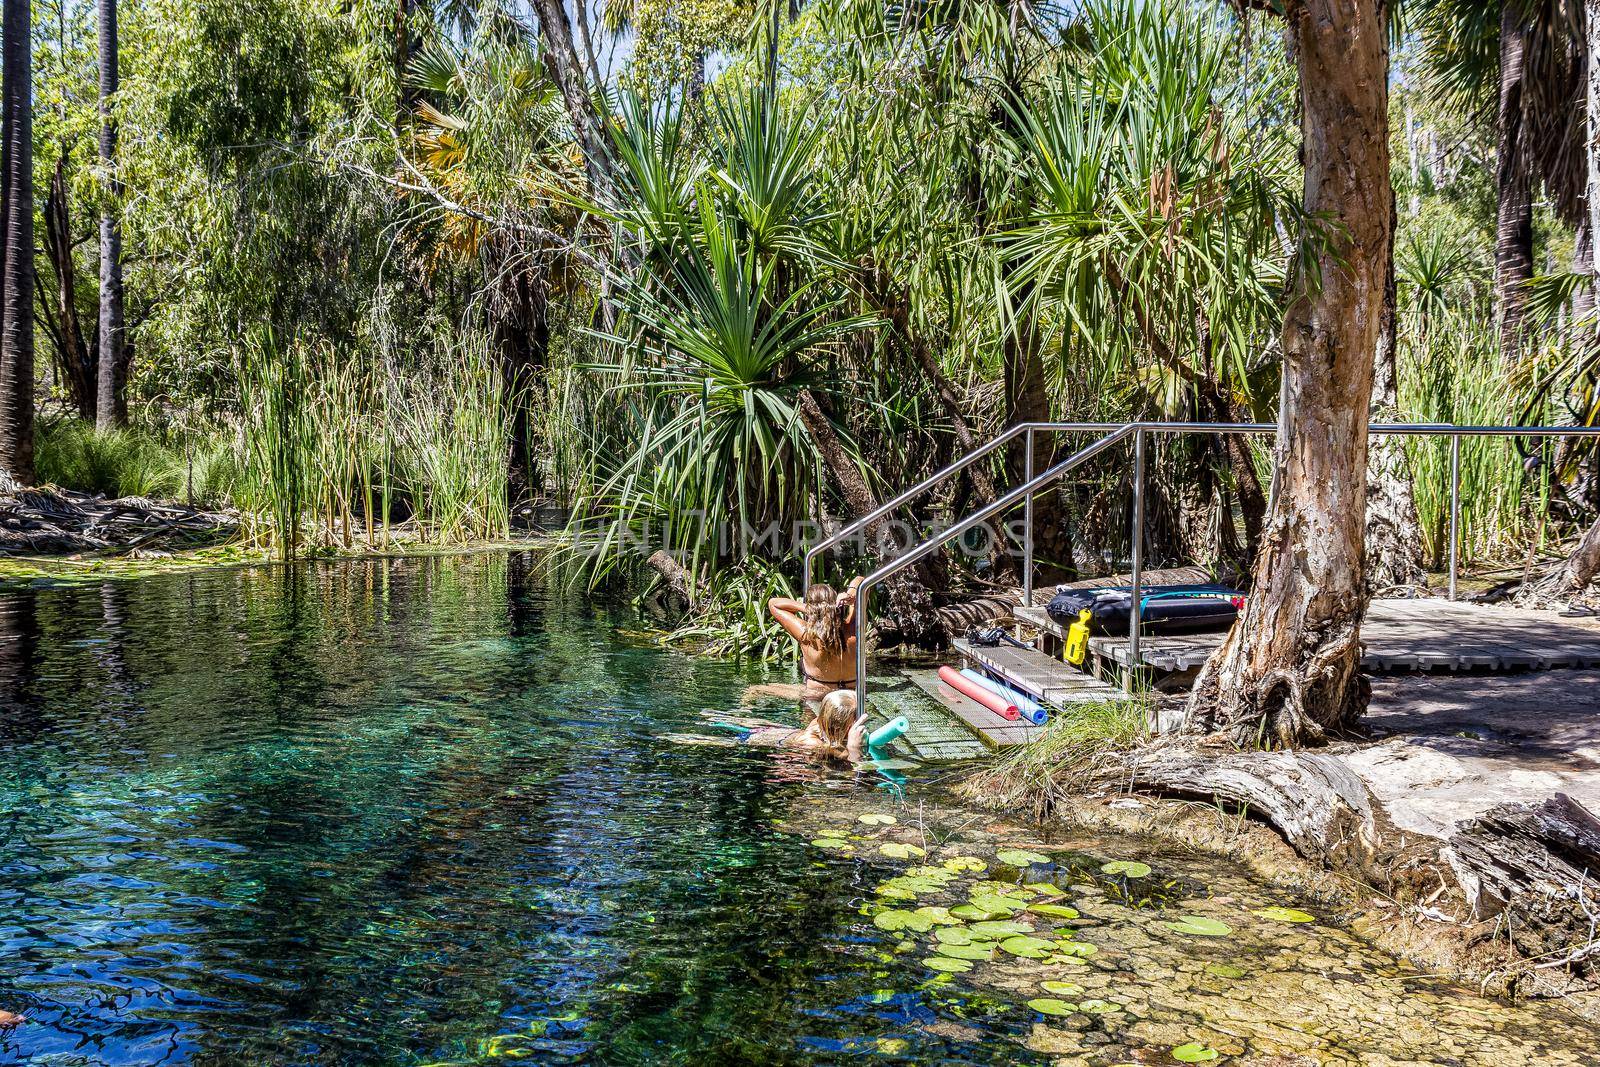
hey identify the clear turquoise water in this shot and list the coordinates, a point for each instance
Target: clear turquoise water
(384, 811)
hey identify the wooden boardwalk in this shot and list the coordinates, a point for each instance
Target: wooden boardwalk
(1402, 635)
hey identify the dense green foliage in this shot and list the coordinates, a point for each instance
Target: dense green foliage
(370, 283)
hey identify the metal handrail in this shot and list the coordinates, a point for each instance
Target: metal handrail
(934, 479)
(988, 511)
(1025, 492)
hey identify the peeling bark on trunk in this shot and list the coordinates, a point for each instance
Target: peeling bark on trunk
(1319, 805)
(1028, 400)
(1287, 674)
(111, 408)
(1542, 863)
(1394, 531)
(1513, 248)
(16, 322)
(1583, 565)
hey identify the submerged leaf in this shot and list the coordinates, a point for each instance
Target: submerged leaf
(1128, 868)
(1286, 915)
(1194, 1052)
(900, 919)
(1062, 989)
(1029, 948)
(966, 863)
(1018, 857)
(948, 964)
(938, 916)
(1052, 1006)
(1098, 1007)
(966, 952)
(1076, 948)
(1225, 970)
(1200, 926)
(832, 843)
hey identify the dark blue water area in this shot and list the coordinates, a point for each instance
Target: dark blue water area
(418, 811)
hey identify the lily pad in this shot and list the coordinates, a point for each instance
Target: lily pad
(1055, 911)
(997, 928)
(1286, 915)
(966, 952)
(1019, 857)
(1126, 868)
(1062, 989)
(938, 916)
(1029, 948)
(948, 964)
(999, 905)
(972, 911)
(873, 818)
(905, 884)
(900, 919)
(1194, 1052)
(952, 935)
(1098, 1007)
(1045, 889)
(966, 863)
(1200, 926)
(1052, 1006)
(1080, 949)
(831, 843)
(898, 850)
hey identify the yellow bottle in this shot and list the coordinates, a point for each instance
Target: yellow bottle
(1077, 649)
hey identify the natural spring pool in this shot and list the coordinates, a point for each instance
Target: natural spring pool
(427, 811)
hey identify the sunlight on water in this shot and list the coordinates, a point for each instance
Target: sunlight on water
(424, 811)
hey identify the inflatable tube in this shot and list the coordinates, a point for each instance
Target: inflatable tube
(1026, 706)
(888, 732)
(968, 688)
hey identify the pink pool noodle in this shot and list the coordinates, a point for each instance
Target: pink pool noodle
(972, 690)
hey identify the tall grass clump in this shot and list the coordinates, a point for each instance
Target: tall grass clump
(74, 455)
(1455, 376)
(1073, 754)
(279, 440)
(451, 426)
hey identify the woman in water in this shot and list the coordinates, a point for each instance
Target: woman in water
(836, 731)
(825, 628)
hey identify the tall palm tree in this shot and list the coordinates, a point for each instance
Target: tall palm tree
(16, 193)
(111, 409)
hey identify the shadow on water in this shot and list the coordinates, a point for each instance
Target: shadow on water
(427, 811)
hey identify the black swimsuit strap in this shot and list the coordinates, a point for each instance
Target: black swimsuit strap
(825, 681)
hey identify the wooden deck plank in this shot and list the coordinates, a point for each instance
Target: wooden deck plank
(1034, 673)
(988, 727)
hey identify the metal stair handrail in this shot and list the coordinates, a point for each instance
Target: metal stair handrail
(1024, 494)
(1020, 494)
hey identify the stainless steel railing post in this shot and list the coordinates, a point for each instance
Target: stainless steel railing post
(1027, 522)
(1455, 508)
(1136, 557)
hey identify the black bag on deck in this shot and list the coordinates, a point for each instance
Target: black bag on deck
(1165, 609)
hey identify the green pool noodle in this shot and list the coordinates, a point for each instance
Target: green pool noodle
(888, 732)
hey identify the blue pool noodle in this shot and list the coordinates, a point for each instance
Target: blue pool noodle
(888, 732)
(1027, 706)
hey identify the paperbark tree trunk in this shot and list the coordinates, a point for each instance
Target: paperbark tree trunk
(1513, 247)
(1394, 531)
(1287, 674)
(16, 319)
(111, 401)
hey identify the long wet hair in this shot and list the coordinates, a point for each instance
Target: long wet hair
(835, 718)
(824, 619)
